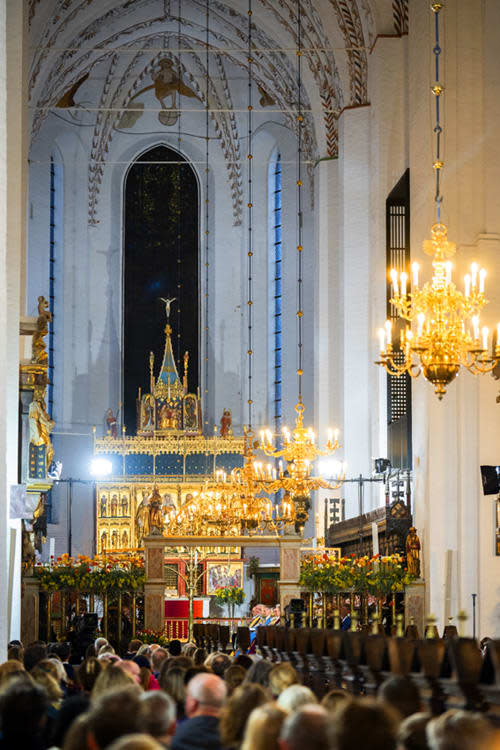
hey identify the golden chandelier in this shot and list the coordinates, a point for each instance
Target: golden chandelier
(300, 451)
(234, 504)
(446, 332)
(442, 331)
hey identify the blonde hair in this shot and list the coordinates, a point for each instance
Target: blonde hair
(282, 676)
(111, 678)
(296, 696)
(263, 728)
(9, 668)
(45, 674)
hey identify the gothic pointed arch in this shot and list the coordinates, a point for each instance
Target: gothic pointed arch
(161, 259)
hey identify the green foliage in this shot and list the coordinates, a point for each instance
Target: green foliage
(377, 575)
(230, 595)
(98, 575)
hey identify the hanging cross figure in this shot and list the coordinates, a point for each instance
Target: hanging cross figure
(168, 302)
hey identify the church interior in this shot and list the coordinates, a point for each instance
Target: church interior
(249, 249)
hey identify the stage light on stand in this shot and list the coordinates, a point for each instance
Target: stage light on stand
(101, 467)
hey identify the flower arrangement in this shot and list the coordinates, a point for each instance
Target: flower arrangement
(101, 574)
(153, 636)
(230, 595)
(377, 575)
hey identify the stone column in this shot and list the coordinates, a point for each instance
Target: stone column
(12, 248)
(289, 571)
(154, 588)
(355, 269)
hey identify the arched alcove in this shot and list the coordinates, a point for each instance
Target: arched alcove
(161, 259)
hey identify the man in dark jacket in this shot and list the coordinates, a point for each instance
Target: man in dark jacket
(205, 696)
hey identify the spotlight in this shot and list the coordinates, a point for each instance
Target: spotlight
(382, 465)
(101, 467)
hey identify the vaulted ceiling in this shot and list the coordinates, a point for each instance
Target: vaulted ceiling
(99, 58)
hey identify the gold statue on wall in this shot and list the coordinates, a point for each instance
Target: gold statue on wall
(413, 552)
(39, 352)
(41, 425)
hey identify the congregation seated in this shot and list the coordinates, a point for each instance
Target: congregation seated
(117, 704)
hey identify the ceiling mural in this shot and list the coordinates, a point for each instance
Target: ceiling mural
(108, 65)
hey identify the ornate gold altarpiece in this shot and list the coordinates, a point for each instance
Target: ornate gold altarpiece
(168, 456)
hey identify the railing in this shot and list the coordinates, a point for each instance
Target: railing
(118, 616)
(450, 672)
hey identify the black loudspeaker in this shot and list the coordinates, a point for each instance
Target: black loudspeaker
(297, 606)
(490, 476)
(90, 621)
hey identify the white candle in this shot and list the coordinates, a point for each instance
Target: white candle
(404, 279)
(485, 333)
(336, 432)
(281, 463)
(475, 327)
(52, 547)
(474, 269)
(414, 270)
(330, 435)
(420, 323)
(388, 332)
(498, 334)
(482, 276)
(381, 339)
(448, 267)
(467, 282)
(394, 277)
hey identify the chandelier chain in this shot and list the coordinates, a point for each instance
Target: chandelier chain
(437, 90)
(250, 226)
(207, 199)
(300, 120)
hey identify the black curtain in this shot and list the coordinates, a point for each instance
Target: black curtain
(161, 260)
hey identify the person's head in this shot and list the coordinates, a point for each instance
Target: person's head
(71, 708)
(459, 730)
(62, 650)
(76, 736)
(88, 672)
(23, 712)
(294, 697)
(233, 676)
(145, 650)
(263, 728)
(243, 660)
(306, 727)
(259, 672)
(158, 657)
(188, 649)
(182, 662)
(282, 676)
(99, 643)
(401, 694)
(199, 656)
(205, 695)
(132, 669)
(157, 714)
(8, 670)
(15, 653)
(363, 723)
(193, 671)
(174, 647)
(114, 715)
(235, 713)
(34, 653)
(135, 742)
(113, 677)
(412, 733)
(220, 664)
(134, 645)
(172, 683)
(107, 648)
(334, 698)
(144, 670)
(45, 674)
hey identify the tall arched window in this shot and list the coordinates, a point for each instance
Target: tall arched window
(161, 260)
(275, 277)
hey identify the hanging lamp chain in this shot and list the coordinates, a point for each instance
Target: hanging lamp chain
(207, 200)
(437, 90)
(250, 226)
(300, 120)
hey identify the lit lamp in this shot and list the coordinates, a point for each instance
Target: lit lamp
(441, 329)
